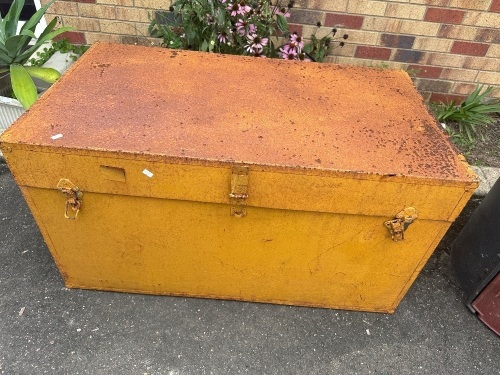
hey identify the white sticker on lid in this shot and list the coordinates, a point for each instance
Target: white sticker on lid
(57, 136)
(147, 173)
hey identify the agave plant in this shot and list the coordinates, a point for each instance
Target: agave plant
(15, 51)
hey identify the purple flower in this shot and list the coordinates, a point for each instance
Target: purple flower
(233, 8)
(210, 19)
(282, 11)
(288, 53)
(222, 37)
(238, 9)
(297, 41)
(245, 7)
(241, 27)
(255, 43)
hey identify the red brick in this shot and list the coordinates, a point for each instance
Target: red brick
(444, 15)
(292, 28)
(344, 20)
(296, 29)
(469, 48)
(373, 53)
(73, 37)
(426, 71)
(495, 6)
(446, 98)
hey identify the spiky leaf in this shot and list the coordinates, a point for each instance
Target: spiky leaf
(22, 58)
(23, 85)
(12, 18)
(35, 18)
(49, 75)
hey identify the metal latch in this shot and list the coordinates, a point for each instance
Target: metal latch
(73, 197)
(239, 190)
(401, 221)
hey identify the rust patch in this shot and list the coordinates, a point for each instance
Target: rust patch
(212, 107)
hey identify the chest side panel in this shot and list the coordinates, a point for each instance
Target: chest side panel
(165, 246)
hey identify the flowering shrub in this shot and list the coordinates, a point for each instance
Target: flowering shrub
(317, 49)
(236, 27)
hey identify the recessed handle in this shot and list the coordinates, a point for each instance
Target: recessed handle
(112, 173)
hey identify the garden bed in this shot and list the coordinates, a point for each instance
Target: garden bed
(483, 153)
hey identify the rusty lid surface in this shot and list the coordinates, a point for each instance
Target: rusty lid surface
(200, 106)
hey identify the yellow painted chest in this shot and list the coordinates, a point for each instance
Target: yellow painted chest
(174, 172)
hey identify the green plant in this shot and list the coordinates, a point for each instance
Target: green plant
(460, 139)
(381, 65)
(471, 114)
(63, 46)
(221, 26)
(15, 51)
(412, 72)
(318, 48)
(240, 27)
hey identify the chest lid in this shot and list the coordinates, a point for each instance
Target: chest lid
(189, 106)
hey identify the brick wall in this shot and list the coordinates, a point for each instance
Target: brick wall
(447, 45)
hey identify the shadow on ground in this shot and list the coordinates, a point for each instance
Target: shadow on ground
(48, 329)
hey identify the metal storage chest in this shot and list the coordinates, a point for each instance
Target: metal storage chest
(220, 176)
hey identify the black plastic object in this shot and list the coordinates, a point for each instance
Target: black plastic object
(475, 255)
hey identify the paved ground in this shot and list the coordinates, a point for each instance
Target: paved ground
(48, 329)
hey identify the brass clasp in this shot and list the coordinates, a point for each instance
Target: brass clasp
(73, 197)
(239, 190)
(401, 221)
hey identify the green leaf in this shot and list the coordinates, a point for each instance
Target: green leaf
(5, 59)
(282, 23)
(9, 28)
(12, 45)
(35, 18)
(49, 33)
(50, 26)
(49, 75)
(23, 85)
(308, 48)
(28, 33)
(3, 49)
(220, 17)
(14, 10)
(27, 54)
(12, 17)
(204, 46)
